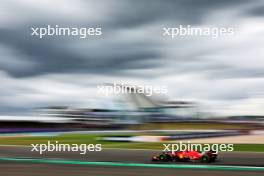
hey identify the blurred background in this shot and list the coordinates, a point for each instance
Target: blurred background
(49, 86)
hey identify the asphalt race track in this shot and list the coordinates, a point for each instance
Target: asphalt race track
(119, 156)
(130, 156)
(16, 169)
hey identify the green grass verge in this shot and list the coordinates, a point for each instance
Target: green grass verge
(93, 139)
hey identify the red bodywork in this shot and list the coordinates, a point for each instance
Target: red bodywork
(186, 156)
(192, 155)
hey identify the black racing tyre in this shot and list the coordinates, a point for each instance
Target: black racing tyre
(165, 157)
(162, 157)
(205, 159)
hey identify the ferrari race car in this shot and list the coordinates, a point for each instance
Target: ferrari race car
(204, 157)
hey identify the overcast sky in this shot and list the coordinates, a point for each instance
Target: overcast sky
(225, 75)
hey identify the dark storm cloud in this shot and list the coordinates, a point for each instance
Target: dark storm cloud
(134, 13)
(52, 56)
(256, 11)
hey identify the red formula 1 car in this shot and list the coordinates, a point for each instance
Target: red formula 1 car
(204, 157)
